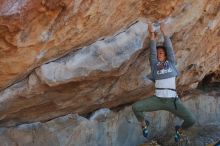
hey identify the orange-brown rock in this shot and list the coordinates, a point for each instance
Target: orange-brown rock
(33, 32)
(65, 57)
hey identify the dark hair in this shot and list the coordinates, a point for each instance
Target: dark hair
(163, 48)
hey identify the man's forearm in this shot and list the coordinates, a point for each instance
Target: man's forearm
(152, 46)
(153, 50)
(169, 48)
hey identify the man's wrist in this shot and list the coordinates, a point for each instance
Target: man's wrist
(164, 33)
(152, 38)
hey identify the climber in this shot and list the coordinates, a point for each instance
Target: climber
(163, 73)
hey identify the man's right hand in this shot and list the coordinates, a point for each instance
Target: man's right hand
(151, 31)
(164, 29)
(150, 28)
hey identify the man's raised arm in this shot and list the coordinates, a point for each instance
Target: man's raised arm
(168, 44)
(152, 46)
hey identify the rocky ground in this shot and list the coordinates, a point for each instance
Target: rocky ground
(198, 136)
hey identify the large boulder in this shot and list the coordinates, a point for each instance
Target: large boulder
(60, 57)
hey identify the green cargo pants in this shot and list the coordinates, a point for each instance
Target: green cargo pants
(155, 103)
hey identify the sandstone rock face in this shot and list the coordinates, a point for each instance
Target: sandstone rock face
(33, 32)
(110, 128)
(61, 57)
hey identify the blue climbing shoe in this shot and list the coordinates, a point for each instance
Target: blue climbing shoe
(145, 129)
(177, 136)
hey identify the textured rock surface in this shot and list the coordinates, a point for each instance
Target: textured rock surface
(104, 55)
(108, 128)
(33, 32)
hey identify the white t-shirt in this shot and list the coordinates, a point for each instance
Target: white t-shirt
(166, 83)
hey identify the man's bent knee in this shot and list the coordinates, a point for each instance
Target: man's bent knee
(192, 121)
(189, 123)
(134, 107)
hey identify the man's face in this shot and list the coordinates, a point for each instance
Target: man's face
(161, 56)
